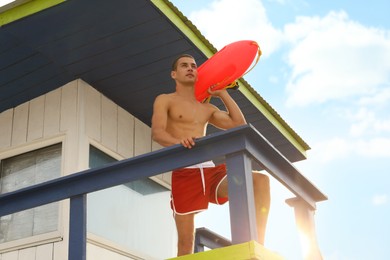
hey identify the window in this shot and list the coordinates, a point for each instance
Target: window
(23, 171)
(135, 215)
(144, 186)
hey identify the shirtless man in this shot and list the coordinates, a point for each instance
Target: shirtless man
(178, 118)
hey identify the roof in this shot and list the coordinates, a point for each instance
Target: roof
(124, 50)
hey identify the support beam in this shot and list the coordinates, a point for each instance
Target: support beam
(304, 218)
(78, 228)
(241, 199)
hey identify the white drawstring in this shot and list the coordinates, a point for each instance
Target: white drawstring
(200, 166)
(203, 182)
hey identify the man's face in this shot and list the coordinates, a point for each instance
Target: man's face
(186, 70)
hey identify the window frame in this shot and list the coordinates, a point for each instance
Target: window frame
(49, 237)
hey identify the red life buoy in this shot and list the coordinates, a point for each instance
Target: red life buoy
(225, 67)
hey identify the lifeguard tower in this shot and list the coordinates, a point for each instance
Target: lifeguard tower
(80, 177)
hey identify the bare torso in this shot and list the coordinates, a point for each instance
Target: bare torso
(187, 117)
(178, 117)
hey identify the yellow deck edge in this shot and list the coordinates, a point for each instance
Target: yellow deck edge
(246, 251)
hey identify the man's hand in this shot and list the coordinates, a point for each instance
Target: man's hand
(215, 93)
(188, 142)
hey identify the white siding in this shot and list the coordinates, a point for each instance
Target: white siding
(125, 133)
(99, 253)
(142, 138)
(51, 124)
(44, 252)
(19, 126)
(35, 118)
(27, 254)
(10, 255)
(109, 124)
(6, 128)
(94, 112)
(76, 115)
(68, 114)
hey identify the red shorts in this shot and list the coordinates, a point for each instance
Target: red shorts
(191, 193)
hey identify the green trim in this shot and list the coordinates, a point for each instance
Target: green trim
(190, 30)
(185, 25)
(26, 9)
(246, 251)
(273, 117)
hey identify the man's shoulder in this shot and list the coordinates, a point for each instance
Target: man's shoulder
(210, 106)
(165, 96)
(164, 99)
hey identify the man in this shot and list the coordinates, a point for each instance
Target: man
(178, 118)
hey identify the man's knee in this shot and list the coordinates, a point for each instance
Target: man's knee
(260, 181)
(261, 185)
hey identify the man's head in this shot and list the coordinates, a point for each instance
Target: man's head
(184, 70)
(175, 61)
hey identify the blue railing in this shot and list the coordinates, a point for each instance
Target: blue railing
(239, 146)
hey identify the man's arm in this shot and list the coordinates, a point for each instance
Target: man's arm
(159, 122)
(226, 120)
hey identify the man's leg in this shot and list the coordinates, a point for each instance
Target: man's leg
(261, 190)
(262, 196)
(185, 231)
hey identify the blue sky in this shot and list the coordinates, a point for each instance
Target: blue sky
(325, 69)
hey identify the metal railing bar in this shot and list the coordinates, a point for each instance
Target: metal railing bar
(143, 166)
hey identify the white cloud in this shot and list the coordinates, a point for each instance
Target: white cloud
(362, 121)
(338, 148)
(336, 255)
(368, 122)
(226, 21)
(282, 2)
(379, 99)
(334, 58)
(273, 79)
(380, 199)
(330, 150)
(375, 147)
(382, 125)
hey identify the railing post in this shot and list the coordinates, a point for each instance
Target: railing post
(241, 198)
(207, 238)
(78, 228)
(304, 218)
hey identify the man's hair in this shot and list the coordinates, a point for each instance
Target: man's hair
(174, 63)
